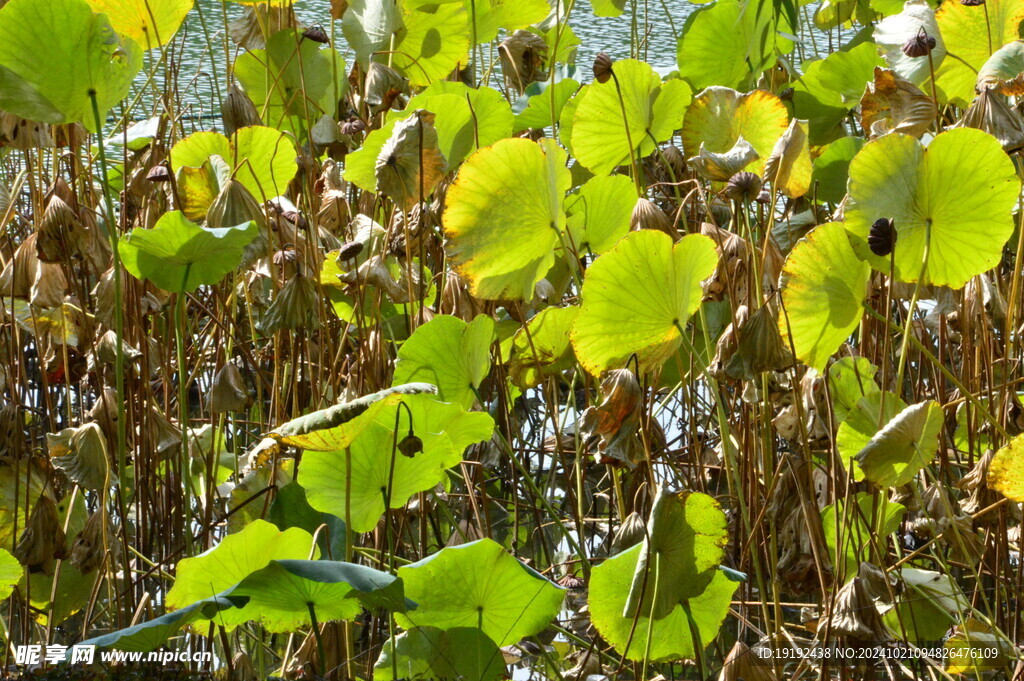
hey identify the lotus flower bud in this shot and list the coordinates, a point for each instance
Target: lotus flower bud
(920, 45)
(743, 186)
(646, 215)
(238, 111)
(602, 67)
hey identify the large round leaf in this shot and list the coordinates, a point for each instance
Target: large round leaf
(607, 130)
(262, 158)
(178, 255)
(730, 43)
(353, 480)
(542, 346)
(488, 16)
(152, 634)
(504, 216)
(682, 548)
(638, 297)
(849, 531)
(671, 636)
(832, 168)
(449, 353)
(479, 585)
(861, 423)
(600, 213)
(963, 186)
(905, 445)
(55, 55)
(719, 117)
(432, 653)
(231, 561)
(433, 40)
(823, 285)
(972, 33)
(150, 24)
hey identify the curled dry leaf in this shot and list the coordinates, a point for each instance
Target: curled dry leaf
(237, 110)
(410, 164)
(522, 58)
(990, 112)
(43, 539)
(250, 30)
(788, 168)
(384, 87)
(617, 418)
(894, 104)
(721, 167)
(855, 614)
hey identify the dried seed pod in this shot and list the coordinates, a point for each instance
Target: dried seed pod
(238, 111)
(920, 45)
(972, 3)
(646, 215)
(317, 34)
(353, 126)
(743, 186)
(43, 538)
(350, 250)
(159, 173)
(410, 445)
(882, 236)
(602, 67)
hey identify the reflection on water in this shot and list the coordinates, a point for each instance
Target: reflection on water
(611, 35)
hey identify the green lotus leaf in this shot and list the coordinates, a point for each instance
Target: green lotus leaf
(671, 637)
(850, 379)
(148, 24)
(361, 164)
(534, 109)
(10, 573)
(962, 190)
(199, 187)
(831, 87)
(263, 159)
(20, 487)
(281, 594)
(449, 353)
(481, 586)
(607, 8)
(973, 34)
(488, 16)
(848, 534)
(788, 168)
(1006, 472)
(433, 41)
(682, 548)
(236, 557)
(638, 297)
(730, 43)
(369, 25)
(542, 347)
(599, 213)
(719, 117)
(606, 131)
(862, 422)
(931, 602)
(153, 634)
(292, 81)
(832, 168)
(54, 55)
(893, 32)
(823, 285)
(504, 216)
(180, 256)
(1004, 70)
(290, 508)
(905, 445)
(353, 480)
(467, 118)
(431, 653)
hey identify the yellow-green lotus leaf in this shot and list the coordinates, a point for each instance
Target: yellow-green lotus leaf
(606, 131)
(904, 445)
(1004, 70)
(638, 297)
(599, 213)
(962, 190)
(789, 166)
(972, 34)
(150, 24)
(488, 16)
(433, 40)
(823, 286)
(1006, 472)
(720, 116)
(262, 158)
(542, 346)
(503, 216)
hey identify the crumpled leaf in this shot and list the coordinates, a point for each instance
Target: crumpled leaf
(1004, 70)
(894, 104)
(893, 32)
(617, 418)
(990, 112)
(410, 164)
(904, 446)
(788, 167)
(384, 85)
(720, 167)
(82, 454)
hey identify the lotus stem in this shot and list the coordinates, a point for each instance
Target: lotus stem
(319, 641)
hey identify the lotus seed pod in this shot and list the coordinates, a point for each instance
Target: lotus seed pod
(920, 45)
(317, 34)
(410, 445)
(882, 236)
(646, 215)
(602, 67)
(743, 186)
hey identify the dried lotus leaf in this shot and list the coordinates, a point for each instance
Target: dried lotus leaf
(410, 164)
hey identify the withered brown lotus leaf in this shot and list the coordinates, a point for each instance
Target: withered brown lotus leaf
(259, 21)
(894, 104)
(760, 346)
(410, 164)
(855, 614)
(647, 215)
(719, 167)
(91, 544)
(61, 236)
(43, 538)
(631, 532)
(617, 418)
(82, 454)
(990, 112)
(522, 57)
(237, 111)
(293, 307)
(975, 483)
(384, 87)
(163, 435)
(19, 133)
(106, 348)
(742, 664)
(229, 391)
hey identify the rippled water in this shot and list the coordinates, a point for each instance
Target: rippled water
(611, 35)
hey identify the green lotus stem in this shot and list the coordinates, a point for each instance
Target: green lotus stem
(650, 616)
(913, 305)
(179, 345)
(629, 137)
(122, 420)
(319, 641)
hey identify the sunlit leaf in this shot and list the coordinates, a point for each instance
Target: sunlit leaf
(599, 213)
(850, 379)
(862, 422)
(432, 653)
(788, 167)
(488, 16)
(832, 168)
(150, 24)
(973, 33)
(433, 41)
(542, 347)
(905, 445)
(719, 117)
(449, 353)
(262, 158)
(829, 88)
(849, 531)
(1006, 472)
